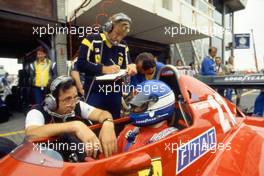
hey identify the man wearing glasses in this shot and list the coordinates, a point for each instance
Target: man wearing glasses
(63, 112)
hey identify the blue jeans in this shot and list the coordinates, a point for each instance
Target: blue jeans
(229, 93)
(39, 94)
(259, 105)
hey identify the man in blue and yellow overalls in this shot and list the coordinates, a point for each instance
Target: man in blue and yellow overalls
(42, 72)
(106, 53)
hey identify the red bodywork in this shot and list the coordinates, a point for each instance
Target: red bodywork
(243, 140)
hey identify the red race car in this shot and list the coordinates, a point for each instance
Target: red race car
(215, 138)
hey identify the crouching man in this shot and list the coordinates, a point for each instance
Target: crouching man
(151, 110)
(62, 112)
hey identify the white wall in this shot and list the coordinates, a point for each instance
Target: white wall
(10, 65)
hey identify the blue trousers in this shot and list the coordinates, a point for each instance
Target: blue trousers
(229, 94)
(110, 102)
(39, 94)
(259, 105)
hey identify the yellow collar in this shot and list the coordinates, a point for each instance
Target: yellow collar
(42, 62)
(107, 42)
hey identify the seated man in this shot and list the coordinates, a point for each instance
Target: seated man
(62, 113)
(151, 109)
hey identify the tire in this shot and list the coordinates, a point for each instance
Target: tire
(4, 114)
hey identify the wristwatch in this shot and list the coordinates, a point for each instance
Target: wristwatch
(107, 119)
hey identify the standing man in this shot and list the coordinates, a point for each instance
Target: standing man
(231, 70)
(147, 68)
(194, 71)
(220, 70)
(230, 65)
(259, 105)
(220, 67)
(208, 65)
(42, 71)
(106, 53)
(179, 63)
(76, 76)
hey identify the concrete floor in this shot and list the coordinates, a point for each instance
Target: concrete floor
(14, 127)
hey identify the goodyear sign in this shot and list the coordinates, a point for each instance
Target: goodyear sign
(252, 78)
(195, 149)
(242, 41)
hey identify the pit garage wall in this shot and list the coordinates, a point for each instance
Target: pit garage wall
(44, 9)
(17, 21)
(33, 13)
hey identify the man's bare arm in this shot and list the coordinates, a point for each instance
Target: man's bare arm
(77, 127)
(107, 134)
(76, 76)
(99, 115)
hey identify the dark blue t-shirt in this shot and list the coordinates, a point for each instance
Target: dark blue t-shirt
(139, 78)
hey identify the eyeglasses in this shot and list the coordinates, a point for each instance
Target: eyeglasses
(70, 100)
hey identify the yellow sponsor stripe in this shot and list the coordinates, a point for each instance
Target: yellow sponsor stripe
(12, 133)
(107, 42)
(87, 43)
(103, 37)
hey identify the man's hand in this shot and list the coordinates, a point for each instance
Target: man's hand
(80, 89)
(88, 137)
(107, 134)
(131, 69)
(220, 74)
(107, 137)
(110, 69)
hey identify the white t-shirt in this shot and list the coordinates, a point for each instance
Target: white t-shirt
(35, 117)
